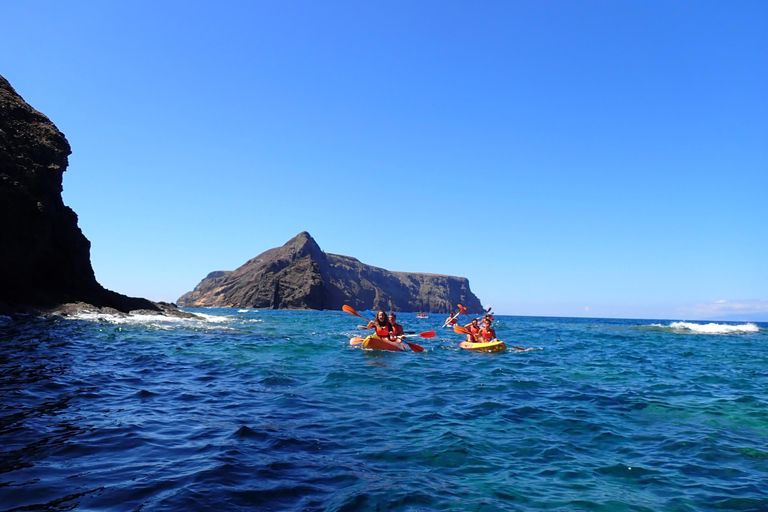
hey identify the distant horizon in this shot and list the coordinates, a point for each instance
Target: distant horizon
(495, 314)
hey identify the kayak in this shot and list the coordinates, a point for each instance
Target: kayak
(376, 343)
(485, 346)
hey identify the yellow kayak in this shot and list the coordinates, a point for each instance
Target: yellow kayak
(376, 343)
(486, 346)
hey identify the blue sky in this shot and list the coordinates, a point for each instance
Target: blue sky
(587, 158)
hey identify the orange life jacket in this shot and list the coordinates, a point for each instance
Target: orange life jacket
(382, 331)
(487, 334)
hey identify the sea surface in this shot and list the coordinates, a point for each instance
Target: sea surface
(274, 410)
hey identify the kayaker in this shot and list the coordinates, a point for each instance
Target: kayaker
(382, 326)
(397, 329)
(487, 332)
(474, 328)
(451, 320)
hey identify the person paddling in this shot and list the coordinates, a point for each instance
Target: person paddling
(474, 331)
(397, 329)
(383, 327)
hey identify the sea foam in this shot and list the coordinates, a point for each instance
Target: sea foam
(157, 321)
(712, 328)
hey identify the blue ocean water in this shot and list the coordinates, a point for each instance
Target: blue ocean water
(274, 410)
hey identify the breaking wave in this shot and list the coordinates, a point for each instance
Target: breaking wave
(156, 321)
(710, 328)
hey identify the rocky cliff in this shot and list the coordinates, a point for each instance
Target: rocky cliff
(299, 275)
(44, 257)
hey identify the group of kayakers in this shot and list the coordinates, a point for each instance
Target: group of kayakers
(387, 328)
(479, 332)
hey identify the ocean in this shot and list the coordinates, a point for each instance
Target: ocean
(274, 410)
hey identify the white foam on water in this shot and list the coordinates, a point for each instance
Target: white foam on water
(156, 321)
(711, 328)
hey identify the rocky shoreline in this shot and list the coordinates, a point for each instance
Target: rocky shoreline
(74, 309)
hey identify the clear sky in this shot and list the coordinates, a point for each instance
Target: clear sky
(571, 158)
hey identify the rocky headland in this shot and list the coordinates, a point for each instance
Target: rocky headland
(299, 275)
(45, 265)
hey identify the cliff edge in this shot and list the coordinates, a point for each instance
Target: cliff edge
(44, 257)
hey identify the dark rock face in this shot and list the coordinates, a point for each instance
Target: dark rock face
(299, 275)
(44, 257)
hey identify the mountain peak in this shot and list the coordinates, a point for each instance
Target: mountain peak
(303, 244)
(299, 275)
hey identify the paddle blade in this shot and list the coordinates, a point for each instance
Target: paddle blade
(428, 334)
(460, 330)
(351, 311)
(356, 341)
(415, 347)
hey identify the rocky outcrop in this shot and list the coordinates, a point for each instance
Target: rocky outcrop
(44, 257)
(299, 275)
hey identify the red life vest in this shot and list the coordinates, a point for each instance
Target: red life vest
(397, 329)
(473, 329)
(382, 332)
(487, 334)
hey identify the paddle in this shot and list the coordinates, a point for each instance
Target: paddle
(459, 329)
(462, 309)
(488, 312)
(351, 311)
(414, 347)
(425, 334)
(462, 330)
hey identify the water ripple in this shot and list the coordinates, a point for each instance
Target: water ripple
(274, 410)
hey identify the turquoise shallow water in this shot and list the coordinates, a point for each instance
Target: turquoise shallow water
(273, 410)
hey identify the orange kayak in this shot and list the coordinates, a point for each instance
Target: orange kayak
(486, 346)
(376, 343)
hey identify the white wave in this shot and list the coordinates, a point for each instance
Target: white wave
(712, 328)
(158, 321)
